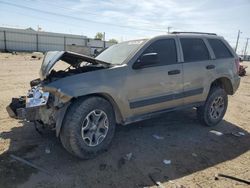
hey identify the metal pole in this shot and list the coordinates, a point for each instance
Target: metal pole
(5, 41)
(85, 42)
(169, 29)
(237, 41)
(37, 42)
(245, 51)
(104, 45)
(64, 43)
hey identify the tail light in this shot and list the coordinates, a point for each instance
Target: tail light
(237, 64)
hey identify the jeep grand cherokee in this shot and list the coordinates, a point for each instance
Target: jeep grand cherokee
(129, 82)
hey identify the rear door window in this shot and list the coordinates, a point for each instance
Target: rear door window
(220, 49)
(165, 49)
(194, 49)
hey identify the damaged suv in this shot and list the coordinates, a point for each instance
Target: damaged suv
(129, 82)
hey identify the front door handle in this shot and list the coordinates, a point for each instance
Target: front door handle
(172, 72)
(210, 66)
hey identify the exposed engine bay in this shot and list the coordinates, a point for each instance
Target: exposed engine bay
(78, 64)
(55, 75)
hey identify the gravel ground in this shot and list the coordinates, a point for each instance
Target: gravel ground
(196, 155)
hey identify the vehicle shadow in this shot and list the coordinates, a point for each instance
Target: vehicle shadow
(177, 137)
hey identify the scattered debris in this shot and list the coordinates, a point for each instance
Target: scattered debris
(29, 163)
(177, 185)
(102, 166)
(242, 70)
(238, 134)
(194, 155)
(35, 55)
(216, 132)
(158, 137)
(128, 156)
(38, 127)
(47, 150)
(157, 183)
(143, 186)
(121, 162)
(231, 177)
(125, 158)
(166, 162)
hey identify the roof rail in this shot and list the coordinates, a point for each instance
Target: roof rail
(180, 32)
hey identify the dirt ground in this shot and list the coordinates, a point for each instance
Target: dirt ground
(196, 154)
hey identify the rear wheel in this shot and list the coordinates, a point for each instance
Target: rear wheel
(88, 127)
(214, 109)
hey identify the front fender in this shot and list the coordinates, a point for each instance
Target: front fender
(103, 82)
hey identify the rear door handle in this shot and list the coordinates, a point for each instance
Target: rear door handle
(172, 72)
(210, 66)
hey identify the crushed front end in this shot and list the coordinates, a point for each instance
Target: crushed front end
(40, 107)
(45, 102)
(33, 107)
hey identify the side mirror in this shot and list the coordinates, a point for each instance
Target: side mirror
(146, 60)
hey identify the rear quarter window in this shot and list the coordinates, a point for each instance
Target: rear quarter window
(220, 49)
(194, 49)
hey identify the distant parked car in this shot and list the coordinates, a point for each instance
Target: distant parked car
(242, 70)
(129, 82)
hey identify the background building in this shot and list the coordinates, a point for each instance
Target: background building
(29, 40)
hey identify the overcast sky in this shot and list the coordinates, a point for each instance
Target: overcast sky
(130, 19)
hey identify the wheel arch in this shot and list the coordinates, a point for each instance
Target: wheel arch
(225, 83)
(109, 98)
(63, 111)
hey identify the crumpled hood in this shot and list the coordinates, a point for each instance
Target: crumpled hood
(52, 57)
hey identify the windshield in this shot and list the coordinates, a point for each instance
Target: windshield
(117, 53)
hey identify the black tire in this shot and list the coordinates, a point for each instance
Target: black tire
(71, 135)
(203, 112)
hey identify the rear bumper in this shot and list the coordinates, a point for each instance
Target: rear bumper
(16, 109)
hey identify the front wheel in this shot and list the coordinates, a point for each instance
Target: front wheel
(88, 127)
(214, 109)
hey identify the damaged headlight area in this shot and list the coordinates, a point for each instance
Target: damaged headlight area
(36, 97)
(38, 105)
(27, 107)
